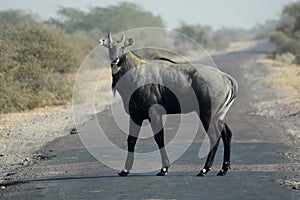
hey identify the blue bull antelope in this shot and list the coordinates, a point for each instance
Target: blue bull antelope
(213, 89)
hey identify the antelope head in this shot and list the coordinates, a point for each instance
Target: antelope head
(115, 48)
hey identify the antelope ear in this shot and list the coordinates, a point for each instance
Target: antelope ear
(103, 42)
(129, 42)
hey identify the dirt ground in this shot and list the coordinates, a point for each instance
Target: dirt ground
(284, 80)
(23, 134)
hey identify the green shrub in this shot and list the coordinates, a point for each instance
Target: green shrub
(34, 64)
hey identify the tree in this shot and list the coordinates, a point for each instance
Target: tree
(116, 18)
(18, 18)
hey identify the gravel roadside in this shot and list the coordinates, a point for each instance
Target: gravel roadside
(23, 134)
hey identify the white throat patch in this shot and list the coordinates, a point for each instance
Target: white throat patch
(115, 69)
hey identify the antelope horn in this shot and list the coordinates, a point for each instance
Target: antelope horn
(123, 39)
(109, 36)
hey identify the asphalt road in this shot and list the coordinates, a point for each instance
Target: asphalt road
(70, 172)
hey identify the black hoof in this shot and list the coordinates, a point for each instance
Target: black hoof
(222, 172)
(163, 171)
(203, 172)
(225, 168)
(74, 131)
(123, 173)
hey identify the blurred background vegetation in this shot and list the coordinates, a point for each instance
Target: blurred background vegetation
(39, 59)
(287, 34)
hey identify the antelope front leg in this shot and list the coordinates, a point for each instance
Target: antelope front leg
(134, 130)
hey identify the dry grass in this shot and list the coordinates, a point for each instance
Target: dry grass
(286, 79)
(237, 46)
(12, 119)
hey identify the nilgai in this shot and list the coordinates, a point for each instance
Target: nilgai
(159, 87)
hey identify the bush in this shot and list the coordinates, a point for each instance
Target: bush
(34, 63)
(197, 32)
(287, 34)
(285, 44)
